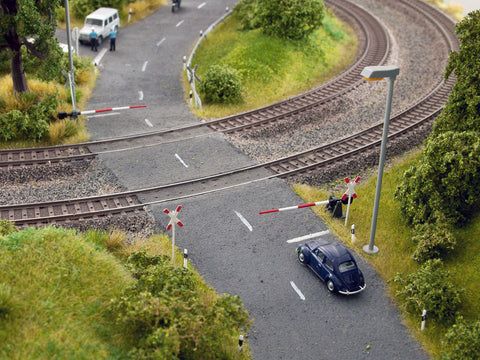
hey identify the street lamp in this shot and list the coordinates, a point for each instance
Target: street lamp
(375, 73)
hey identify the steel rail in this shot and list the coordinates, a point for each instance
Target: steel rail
(374, 50)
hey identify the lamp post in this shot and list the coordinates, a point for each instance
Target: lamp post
(376, 73)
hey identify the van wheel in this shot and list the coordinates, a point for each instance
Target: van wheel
(99, 40)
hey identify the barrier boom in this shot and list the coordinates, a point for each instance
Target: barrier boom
(294, 207)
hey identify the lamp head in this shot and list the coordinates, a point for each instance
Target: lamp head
(375, 73)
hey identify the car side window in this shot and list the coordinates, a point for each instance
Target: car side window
(328, 263)
(110, 19)
(106, 22)
(319, 254)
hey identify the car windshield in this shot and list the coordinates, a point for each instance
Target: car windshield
(346, 266)
(96, 22)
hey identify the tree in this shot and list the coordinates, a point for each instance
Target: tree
(462, 111)
(30, 25)
(290, 19)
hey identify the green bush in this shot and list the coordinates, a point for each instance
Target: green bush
(429, 288)
(6, 227)
(462, 110)
(434, 240)
(446, 180)
(169, 315)
(5, 300)
(462, 341)
(246, 12)
(290, 19)
(221, 85)
(12, 125)
(31, 124)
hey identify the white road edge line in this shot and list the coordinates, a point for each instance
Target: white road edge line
(160, 42)
(144, 67)
(181, 160)
(244, 221)
(309, 236)
(99, 57)
(180, 23)
(201, 5)
(148, 123)
(297, 290)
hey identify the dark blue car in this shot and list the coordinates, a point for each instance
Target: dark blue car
(334, 264)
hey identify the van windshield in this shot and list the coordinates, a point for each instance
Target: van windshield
(95, 22)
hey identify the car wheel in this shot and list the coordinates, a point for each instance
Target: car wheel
(330, 286)
(301, 257)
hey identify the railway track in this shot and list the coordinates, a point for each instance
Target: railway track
(425, 111)
(374, 48)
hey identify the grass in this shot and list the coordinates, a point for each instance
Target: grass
(140, 10)
(393, 238)
(272, 69)
(56, 287)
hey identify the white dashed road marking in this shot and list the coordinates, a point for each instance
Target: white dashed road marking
(201, 5)
(160, 42)
(180, 23)
(309, 236)
(181, 160)
(144, 67)
(244, 221)
(297, 290)
(148, 123)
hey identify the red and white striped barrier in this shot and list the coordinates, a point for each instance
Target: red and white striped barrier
(87, 112)
(295, 207)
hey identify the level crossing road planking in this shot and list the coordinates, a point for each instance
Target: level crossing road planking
(254, 261)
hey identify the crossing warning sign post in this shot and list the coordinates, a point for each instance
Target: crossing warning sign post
(350, 194)
(171, 225)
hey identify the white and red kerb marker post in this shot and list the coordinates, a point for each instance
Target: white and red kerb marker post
(171, 225)
(349, 194)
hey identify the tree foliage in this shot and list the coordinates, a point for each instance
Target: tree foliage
(286, 19)
(290, 19)
(445, 181)
(462, 111)
(462, 341)
(429, 288)
(446, 178)
(170, 316)
(28, 25)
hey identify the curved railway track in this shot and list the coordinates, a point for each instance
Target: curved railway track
(373, 50)
(425, 111)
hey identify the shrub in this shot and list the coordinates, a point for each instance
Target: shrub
(168, 315)
(246, 11)
(446, 180)
(290, 19)
(462, 341)
(429, 288)
(221, 84)
(5, 300)
(434, 240)
(6, 227)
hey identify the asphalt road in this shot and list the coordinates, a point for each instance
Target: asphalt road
(235, 249)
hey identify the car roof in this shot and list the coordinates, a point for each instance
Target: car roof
(335, 251)
(102, 12)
